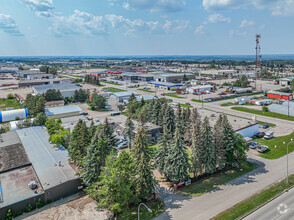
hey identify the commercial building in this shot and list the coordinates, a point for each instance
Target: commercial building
(279, 95)
(28, 83)
(33, 169)
(284, 81)
(145, 97)
(66, 89)
(40, 76)
(165, 85)
(54, 104)
(26, 73)
(63, 111)
(249, 130)
(171, 77)
(121, 96)
(285, 109)
(98, 75)
(200, 89)
(12, 115)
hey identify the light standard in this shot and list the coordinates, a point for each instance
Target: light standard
(149, 210)
(287, 154)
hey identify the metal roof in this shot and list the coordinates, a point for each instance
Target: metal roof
(62, 87)
(45, 157)
(62, 110)
(123, 94)
(170, 85)
(145, 97)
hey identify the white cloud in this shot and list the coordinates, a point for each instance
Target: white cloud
(8, 25)
(278, 7)
(199, 30)
(42, 8)
(237, 33)
(215, 18)
(151, 5)
(245, 23)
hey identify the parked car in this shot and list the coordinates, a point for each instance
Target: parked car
(254, 145)
(265, 126)
(162, 94)
(187, 103)
(260, 134)
(156, 97)
(222, 93)
(269, 135)
(169, 100)
(89, 119)
(262, 148)
(212, 115)
(84, 113)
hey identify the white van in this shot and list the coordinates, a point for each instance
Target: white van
(269, 135)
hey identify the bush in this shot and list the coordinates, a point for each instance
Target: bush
(10, 96)
(9, 214)
(29, 208)
(39, 203)
(265, 109)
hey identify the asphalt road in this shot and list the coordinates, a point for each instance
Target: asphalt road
(281, 208)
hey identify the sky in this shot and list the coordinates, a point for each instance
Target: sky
(145, 27)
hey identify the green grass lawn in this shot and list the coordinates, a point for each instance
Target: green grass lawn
(248, 205)
(175, 95)
(269, 124)
(186, 106)
(145, 90)
(227, 104)
(113, 90)
(281, 150)
(8, 103)
(116, 84)
(132, 87)
(268, 114)
(157, 207)
(212, 182)
(199, 101)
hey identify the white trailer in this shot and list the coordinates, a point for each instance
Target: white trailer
(263, 102)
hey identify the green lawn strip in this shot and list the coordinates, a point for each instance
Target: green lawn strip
(269, 124)
(157, 207)
(132, 87)
(9, 103)
(145, 90)
(228, 104)
(281, 150)
(257, 200)
(212, 182)
(268, 114)
(113, 90)
(116, 84)
(186, 106)
(199, 101)
(174, 95)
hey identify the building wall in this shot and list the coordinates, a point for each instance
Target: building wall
(249, 131)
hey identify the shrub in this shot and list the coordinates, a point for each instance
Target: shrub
(10, 96)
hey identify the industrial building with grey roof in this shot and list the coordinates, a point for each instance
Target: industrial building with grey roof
(66, 89)
(27, 156)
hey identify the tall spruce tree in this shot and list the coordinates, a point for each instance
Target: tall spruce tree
(169, 120)
(129, 130)
(77, 148)
(197, 149)
(92, 130)
(150, 110)
(156, 112)
(141, 152)
(193, 119)
(162, 113)
(177, 161)
(162, 152)
(106, 132)
(220, 147)
(97, 151)
(208, 154)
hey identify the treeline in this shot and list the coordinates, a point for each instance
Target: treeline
(116, 181)
(92, 80)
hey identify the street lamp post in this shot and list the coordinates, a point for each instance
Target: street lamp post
(149, 210)
(287, 155)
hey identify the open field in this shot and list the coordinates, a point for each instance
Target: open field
(113, 90)
(116, 84)
(276, 147)
(145, 90)
(212, 182)
(248, 205)
(174, 95)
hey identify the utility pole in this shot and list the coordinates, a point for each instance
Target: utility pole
(258, 60)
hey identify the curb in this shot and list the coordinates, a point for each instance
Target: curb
(286, 190)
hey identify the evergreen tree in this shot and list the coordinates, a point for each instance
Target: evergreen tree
(142, 103)
(40, 119)
(162, 152)
(177, 161)
(193, 119)
(197, 149)
(77, 149)
(162, 114)
(94, 160)
(106, 133)
(129, 130)
(208, 153)
(150, 110)
(169, 120)
(220, 147)
(179, 120)
(156, 112)
(115, 191)
(141, 152)
(92, 130)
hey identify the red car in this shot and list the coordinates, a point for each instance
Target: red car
(187, 103)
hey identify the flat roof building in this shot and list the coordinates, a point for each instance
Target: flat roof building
(66, 89)
(63, 111)
(28, 83)
(121, 96)
(165, 85)
(171, 77)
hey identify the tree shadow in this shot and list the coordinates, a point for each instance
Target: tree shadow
(171, 199)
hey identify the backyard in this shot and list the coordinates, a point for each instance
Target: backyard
(9, 103)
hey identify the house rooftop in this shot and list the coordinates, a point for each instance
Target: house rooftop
(62, 110)
(122, 94)
(62, 87)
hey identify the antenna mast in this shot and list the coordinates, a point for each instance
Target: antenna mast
(258, 59)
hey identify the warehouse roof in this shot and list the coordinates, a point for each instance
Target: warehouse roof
(63, 87)
(170, 74)
(165, 84)
(62, 110)
(132, 74)
(279, 93)
(39, 81)
(145, 97)
(45, 157)
(123, 94)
